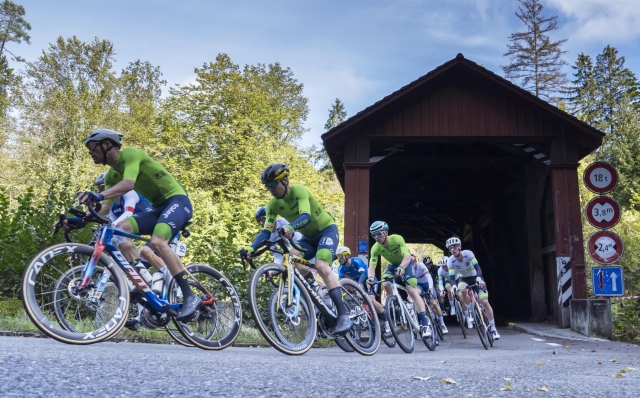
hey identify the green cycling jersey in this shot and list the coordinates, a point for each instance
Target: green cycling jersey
(151, 179)
(394, 252)
(299, 201)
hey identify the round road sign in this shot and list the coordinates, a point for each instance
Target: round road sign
(600, 177)
(603, 212)
(605, 247)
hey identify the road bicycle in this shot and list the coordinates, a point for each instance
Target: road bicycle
(403, 320)
(480, 320)
(65, 302)
(283, 305)
(97, 299)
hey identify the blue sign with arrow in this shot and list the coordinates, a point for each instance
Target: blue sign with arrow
(607, 281)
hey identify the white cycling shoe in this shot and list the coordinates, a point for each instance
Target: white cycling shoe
(453, 311)
(444, 329)
(425, 331)
(386, 330)
(469, 322)
(496, 335)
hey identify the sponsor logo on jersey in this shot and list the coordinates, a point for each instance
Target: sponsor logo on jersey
(326, 241)
(160, 174)
(172, 224)
(173, 208)
(187, 210)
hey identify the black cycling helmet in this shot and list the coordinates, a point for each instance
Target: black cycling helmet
(427, 260)
(274, 172)
(261, 213)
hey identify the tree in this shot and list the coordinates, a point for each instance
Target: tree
(337, 115)
(583, 95)
(605, 95)
(13, 27)
(536, 61)
(319, 156)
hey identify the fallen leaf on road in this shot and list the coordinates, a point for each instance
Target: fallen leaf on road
(628, 369)
(448, 381)
(422, 378)
(539, 363)
(593, 350)
(554, 353)
(617, 375)
(599, 363)
(543, 388)
(621, 371)
(443, 361)
(479, 355)
(612, 360)
(508, 387)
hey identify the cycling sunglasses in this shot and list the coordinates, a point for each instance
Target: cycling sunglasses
(376, 235)
(92, 145)
(272, 184)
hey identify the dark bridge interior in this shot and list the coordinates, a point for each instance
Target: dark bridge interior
(430, 191)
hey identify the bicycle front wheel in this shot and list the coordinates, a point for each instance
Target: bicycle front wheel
(218, 320)
(286, 319)
(432, 341)
(481, 327)
(364, 335)
(461, 318)
(65, 313)
(400, 324)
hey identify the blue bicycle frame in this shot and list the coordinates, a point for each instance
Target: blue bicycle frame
(105, 235)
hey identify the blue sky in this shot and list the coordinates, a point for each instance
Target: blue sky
(356, 50)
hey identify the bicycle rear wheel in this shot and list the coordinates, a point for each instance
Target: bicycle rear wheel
(343, 344)
(400, 324)
(364, 335)
(480, 327)
(217, 321)
(54, 305)
(435, 321)
(288, 325)
(389, 340)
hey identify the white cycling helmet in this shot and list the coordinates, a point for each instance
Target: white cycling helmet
(100, 179)
(378, 226)
(453, 242)
(104, 134)
(443, 261)
(343, 251)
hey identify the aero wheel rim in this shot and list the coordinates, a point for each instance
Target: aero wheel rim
(218, 320)
(60, 310)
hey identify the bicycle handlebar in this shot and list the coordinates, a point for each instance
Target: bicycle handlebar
(265, 244)
(94, 212)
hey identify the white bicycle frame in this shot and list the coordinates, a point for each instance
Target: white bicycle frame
(405, 311)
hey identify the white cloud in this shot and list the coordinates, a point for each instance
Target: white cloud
(600, 19)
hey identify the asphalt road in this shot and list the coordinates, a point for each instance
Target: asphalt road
(43, 367)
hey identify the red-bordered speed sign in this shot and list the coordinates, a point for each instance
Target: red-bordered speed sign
(600, 177)
(603, 212)
(605, 247)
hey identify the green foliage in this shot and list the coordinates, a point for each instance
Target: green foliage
(25, 229)
(13, 27)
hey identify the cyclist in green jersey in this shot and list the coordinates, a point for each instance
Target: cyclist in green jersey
(319, 233)
(395, 251)
(133, 169)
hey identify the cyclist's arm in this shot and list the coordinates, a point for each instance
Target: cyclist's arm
(119, 189)
(478, 270)
(105, 209)
(430, 280)
(269, 227)
(373, 261)
(363, 273)
(129, 202)
(406, 260)
(304, 210)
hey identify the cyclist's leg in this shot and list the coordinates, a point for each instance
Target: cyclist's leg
(388, 273)
(324, 257)
(174, 214)
(414, 291)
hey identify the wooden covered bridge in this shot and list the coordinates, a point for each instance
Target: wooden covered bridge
(462, 151)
